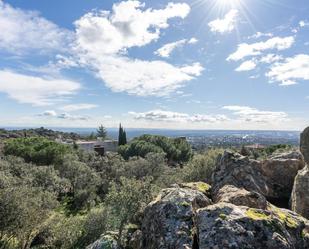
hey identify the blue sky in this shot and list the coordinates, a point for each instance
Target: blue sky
(201, 64)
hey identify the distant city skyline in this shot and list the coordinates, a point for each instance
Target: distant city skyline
(201, 64)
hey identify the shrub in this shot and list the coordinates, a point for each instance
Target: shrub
(201, 167)
(126, 199)
(38, 150)
(176, 149)
(23, 210)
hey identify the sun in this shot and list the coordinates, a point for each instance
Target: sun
(232, 3)
(219, 5)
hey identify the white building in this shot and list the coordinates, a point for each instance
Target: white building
(108, 145)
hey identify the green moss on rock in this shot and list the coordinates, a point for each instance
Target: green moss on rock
(184, 204)
(285, 217)
(199, 186)
(257, 214)
(223, 216)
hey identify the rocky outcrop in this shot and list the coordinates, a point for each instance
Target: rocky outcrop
(135, 241)
(240, 197)
(237, 211)
(168, 221)
(304, 144)
(186, 219)
(296, 155)
(225, 225)
(272, 178)
(239, 171)
(107, 241)
(199, 186)
(300, 194)
(279, 173)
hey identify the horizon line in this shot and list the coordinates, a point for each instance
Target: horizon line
(141, 128)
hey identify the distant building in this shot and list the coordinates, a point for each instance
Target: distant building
(110, 145)
(255, 146)
(99, 149)
(99, 146)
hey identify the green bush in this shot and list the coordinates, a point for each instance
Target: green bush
(23, 210)
(201, 167)
(38, 150)
(125, 200)
(177, 150)
(72, 232)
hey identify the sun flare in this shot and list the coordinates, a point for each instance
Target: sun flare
(233, 3)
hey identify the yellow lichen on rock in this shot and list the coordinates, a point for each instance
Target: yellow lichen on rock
(284, 217)
(199, 186)
(257, 214)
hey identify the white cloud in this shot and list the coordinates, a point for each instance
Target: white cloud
(66, 116)
(260, 34)
(72, 117)
(246, 66)
(168, 116)
(24, 31)
(130, 25)
(243, 114)
(271, 58)
(225, 25)
(193, 40)
(144, 78)
(245, 50)
(35, 90)
(168, 48)
(78, 107)
(303, 23)
(292, 69)
(250, 114)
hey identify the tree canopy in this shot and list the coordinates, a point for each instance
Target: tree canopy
(38, 150)
(177, 150)
(102, 132)
(122, 136)
(55, 196)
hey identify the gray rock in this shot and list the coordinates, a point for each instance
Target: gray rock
(105, 242)
(225, 225)
(300, 194)
(279, 173)
(272, 178)
(135, 241)
(304, 144)
(289, 155)
(168, 221)
(240, 197)
(237, 170)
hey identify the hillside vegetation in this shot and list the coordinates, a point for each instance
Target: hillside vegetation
(56, 196)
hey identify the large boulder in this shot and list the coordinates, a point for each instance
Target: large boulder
(184, 218)
(300, 194)
(240, 197)
(168, 221)
(304, 144)
(135, 241)
(290, 155)
(225, 225)
(107, 241)
(239, 171)
(279, 173)
(273, 178)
